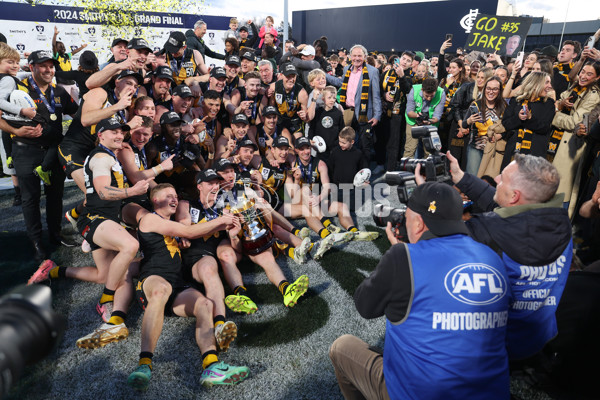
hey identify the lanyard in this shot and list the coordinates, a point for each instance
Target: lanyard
(168, 148)
(254, 102)
(210, 213)
(290, 98)
(120, 113)
(306, 171)
(51, 106)
(142, 155)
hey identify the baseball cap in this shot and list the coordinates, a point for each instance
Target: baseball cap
(164, 72)
(88, 60)
(281, 141)
(175, 42)
(240, 119)
(182, 91)
(550, 51)
(243, 28)
(111, 124)
(207, 175)
(138, 44)
(302, 141)
(133, 74)
(270, 110)
(222, 164)
(39, 56)
(440, 206)
(308, 51)
(248, 143)
(233, 59)
(119, 40)
(248, 55)
(289, 69)
(218, 72)
(170, 118)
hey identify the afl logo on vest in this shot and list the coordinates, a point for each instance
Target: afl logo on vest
(475, 284)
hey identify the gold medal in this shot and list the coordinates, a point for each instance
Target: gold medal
(53, 117)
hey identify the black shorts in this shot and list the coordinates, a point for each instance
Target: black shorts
(87, 225)
(190, 256)
(143, 301)
(71, 158)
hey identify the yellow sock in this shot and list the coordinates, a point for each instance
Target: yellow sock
(116, 320)
(209, 359)
(323, 233)
(353, 229)
(106, 298)
(219, 323)
(74, 213)
(54, 272)
(326, 222)
(146, 361)
(290, 252)
(282, 286)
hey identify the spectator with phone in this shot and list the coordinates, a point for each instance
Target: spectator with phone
(566, 61)
(528, 118)
(567, 147)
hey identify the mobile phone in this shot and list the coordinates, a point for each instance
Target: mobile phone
(449, 36)
(525, 109)
(396, 61)
(586, 121)
(520, 57)
(590, 42)
(473, 108)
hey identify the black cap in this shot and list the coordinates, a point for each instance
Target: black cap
(164, 72)
(218, 72)
(39, 56)
(243, 28)
(111, 124)
(182, 91)
(270, 110)
(302, 141)
(222, 164)
(133, 74)
(289, 69)
(248, 143)
(441, 208)
(550, 51)
(233, 59)
(281, 141)
(248, 55)
(170, 117)
(88, 60)
(138, 44)
(175, 42)
(207, 175)
(240, 119)
(119, 40)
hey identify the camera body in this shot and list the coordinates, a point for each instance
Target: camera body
(435, 168)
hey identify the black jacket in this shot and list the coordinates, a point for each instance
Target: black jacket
(462, 100)
(192, 42)
(533, 234)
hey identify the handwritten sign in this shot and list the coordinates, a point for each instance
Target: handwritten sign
(499, 34)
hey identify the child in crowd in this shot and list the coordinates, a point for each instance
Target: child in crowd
(232, 32)
(268, 28)
(328, 121)
(343, 164)
(9, 66)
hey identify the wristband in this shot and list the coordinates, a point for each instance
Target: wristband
(158, 169)
(211, 156)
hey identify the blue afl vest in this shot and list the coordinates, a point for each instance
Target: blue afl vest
(451, 344)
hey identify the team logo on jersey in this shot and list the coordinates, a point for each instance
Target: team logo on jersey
(265, 173)
(475, 284)
(327, 122)
(278, 98)
(195, 215)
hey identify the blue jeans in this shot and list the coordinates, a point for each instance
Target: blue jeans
(473, 159)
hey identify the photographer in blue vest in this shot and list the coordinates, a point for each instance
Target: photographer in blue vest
(445, 298)
(527, 225)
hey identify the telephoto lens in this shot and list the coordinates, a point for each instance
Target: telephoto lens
(29, 330)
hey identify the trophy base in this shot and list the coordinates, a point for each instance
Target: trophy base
(256, 245)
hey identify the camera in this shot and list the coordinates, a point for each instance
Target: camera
(29, 330)
(436, 166)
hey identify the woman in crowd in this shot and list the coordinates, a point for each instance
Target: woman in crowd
(474, 68)
(566, 148)
(459, 104)
(528, 118)
(232, 47)
(487, 111)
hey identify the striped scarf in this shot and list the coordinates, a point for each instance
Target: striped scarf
(525, 136)
(564, 69)
(364, 95)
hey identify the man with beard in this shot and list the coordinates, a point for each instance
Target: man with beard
(159, 89)
(187, 157)
(248, 99)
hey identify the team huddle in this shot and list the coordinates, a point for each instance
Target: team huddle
(192, 170)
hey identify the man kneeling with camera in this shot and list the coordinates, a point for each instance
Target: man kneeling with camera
(445, 298)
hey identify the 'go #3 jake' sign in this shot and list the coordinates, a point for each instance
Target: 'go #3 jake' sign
(498, 34)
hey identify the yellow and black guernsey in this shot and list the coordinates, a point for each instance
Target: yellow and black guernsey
(261, 138)
(161, 257)
(253, 118)
(288, 105)
(183, 67)
(80, 140)
(273, 180)
(206, 245)
(309, 174)
(94, 204)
